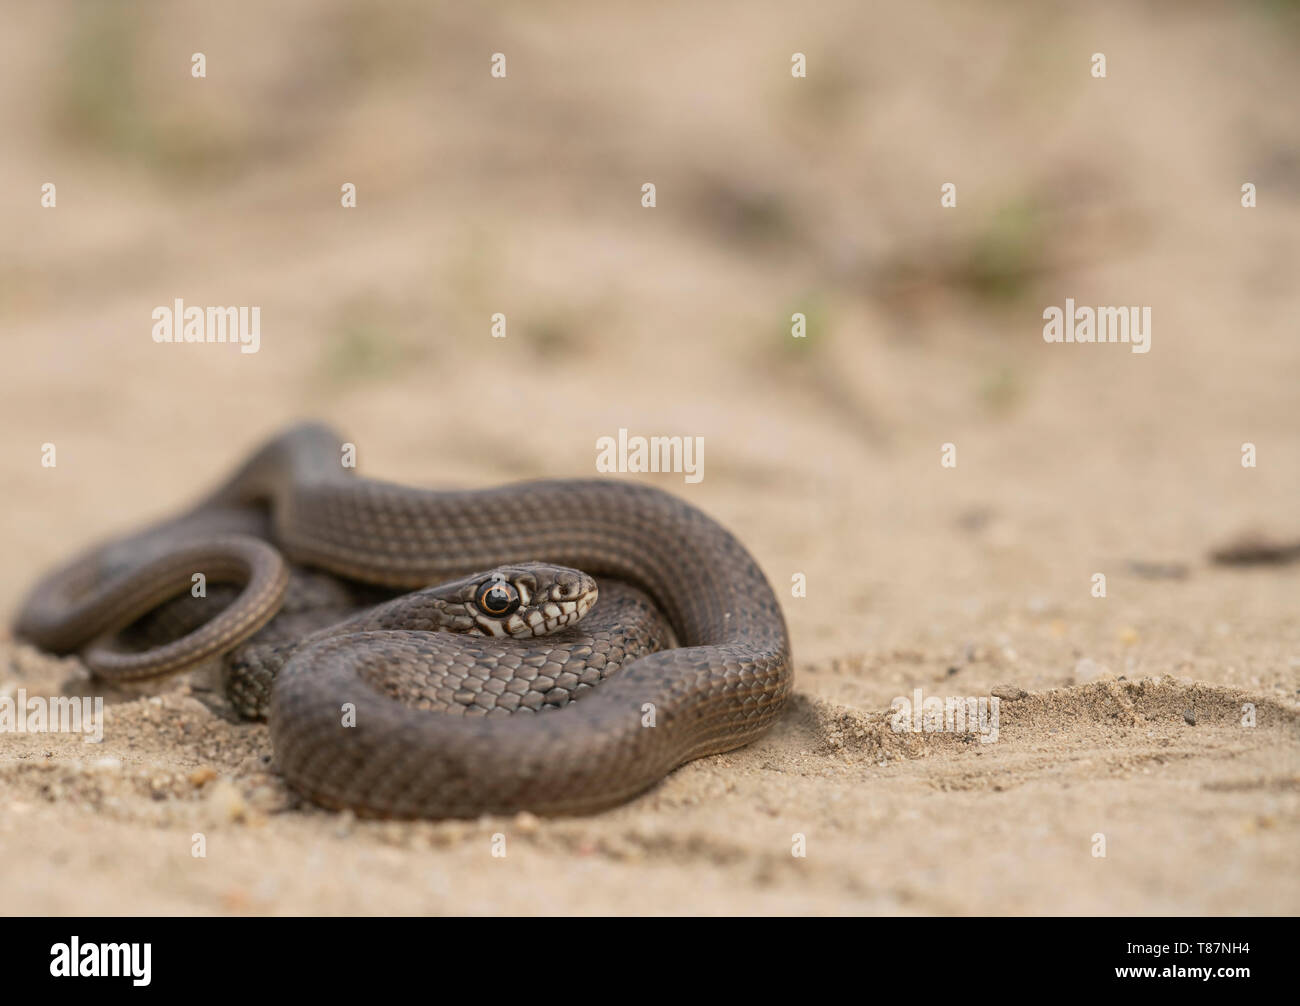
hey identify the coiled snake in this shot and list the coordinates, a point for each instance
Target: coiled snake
(576, 716)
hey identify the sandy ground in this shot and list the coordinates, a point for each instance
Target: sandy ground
(1123, 720)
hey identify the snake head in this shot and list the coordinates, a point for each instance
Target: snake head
(525, 599)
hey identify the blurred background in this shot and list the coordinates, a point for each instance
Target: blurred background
(775, 195)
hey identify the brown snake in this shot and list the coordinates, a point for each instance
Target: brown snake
(361, 713)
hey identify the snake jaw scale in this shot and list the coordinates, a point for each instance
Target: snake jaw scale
(490, 627)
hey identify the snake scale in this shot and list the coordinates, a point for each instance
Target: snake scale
(489, 687)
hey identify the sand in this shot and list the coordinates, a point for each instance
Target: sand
(1157, 724)
(833, 812)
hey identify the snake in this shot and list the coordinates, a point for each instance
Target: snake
(557, 646)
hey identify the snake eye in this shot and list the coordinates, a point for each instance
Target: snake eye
(497, 598)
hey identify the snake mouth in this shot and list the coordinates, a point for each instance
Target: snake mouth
(551, 616)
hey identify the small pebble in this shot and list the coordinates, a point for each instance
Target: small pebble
(1088, 669)
(526, 823)
(266, 798)
(228, 801)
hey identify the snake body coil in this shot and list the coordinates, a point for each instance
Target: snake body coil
(353, 719)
